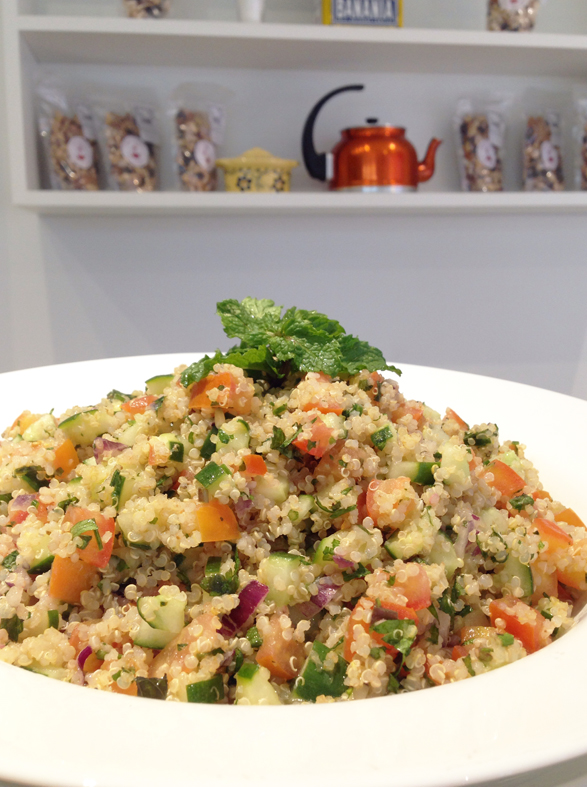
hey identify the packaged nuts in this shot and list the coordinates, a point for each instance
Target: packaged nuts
(543, 164)
(147, 9)
(196, 153)
(518, 15)
(69, 141)
(480, 141)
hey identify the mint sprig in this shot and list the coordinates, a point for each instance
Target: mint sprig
(273, 345)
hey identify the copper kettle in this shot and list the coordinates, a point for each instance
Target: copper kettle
(370, 158)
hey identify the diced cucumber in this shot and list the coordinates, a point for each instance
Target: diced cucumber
(276, 572)
(273, 488)
(232, 437)
(455, 459)
(166, 614)
(43, 558)
(443, 551)
(321, 676)
(514, 568)
(335, 422)
(29, 476)
(176, 446)
(209, 691)
(57, 673)
(162, 619)
(253, 685)
(511, 459)
(156, 385)
(306, 504)
(418, 472)
(40, 621)
(325, 550)
(130, 434)
(42, 428)
(83, 428)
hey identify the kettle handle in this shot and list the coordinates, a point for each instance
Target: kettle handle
(316, 162)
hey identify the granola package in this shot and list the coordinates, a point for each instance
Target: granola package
(517, 15)
(543, 141)
(68, 135)
(147, 9)
(480, 129)
(198, 114)
(580, 134)
(129, 137)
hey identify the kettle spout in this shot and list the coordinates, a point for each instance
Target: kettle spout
(426, 167)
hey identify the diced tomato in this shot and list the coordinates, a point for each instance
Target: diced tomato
(553, 534)
(283, 658)
(69, 579)
(217, 522)
(92, 663)
(570, 517)
(356, 619)
(540, 494)
(522, 621)
(18, 517)
(139, 405)
(404, 409)
(459, 652)
(230, 398)
(454, 417)
(66, 458)
(505, 480)
(416, 588)
(24, 420)
(391, 501)
(319, 442)
(375, 380)
(254, 465)
(130, 692)
(93, 553)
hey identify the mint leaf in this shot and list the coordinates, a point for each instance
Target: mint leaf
(358, 355)
(200, 369)
(251, 320)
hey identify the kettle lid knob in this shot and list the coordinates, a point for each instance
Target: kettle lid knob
(372, 121)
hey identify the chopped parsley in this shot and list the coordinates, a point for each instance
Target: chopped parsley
(69, 501)
(359, 572)
(380, 438)
(481, 438)
(211, 474)
(254, 637)
(506, 639)
(117, 482)
(328, 552)
(336, 509)
(521, 501)
(87, 526)
(209, 447)
(153, 688)
(9, 561)
(13, 626)
(468, 664)
(398, 633)
(279, 409)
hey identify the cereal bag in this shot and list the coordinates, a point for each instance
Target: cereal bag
(199, 118)
(69, 139)
(480, 143)
(147, 9)
(518, 15)
(543, 161)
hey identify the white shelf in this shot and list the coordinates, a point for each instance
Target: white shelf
(223, 203)
(169, 42)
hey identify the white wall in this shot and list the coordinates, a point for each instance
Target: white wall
(499, 295)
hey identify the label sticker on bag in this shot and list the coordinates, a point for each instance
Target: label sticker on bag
(513, 5)
(134, 151)
(549, 155)
(205, 154)
(486, 154)
(80, 153)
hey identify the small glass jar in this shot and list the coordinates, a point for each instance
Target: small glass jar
(517, 15)
(147, 9)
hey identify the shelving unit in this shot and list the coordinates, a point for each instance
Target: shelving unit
(32, 39)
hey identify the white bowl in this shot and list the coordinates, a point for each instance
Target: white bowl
(525, 716)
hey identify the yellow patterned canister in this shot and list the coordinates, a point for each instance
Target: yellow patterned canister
(257, 170)
(363, 12)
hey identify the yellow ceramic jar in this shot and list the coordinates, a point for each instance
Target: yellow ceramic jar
(256, 170)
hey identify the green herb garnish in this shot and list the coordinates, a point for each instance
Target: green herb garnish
(211, 474)
(87, 526)
(380, 438)
(9, 561)
(273, 345)
(521, 501)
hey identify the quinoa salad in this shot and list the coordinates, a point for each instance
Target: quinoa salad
(276, 524)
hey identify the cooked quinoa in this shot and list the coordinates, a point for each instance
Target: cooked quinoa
(237, 536)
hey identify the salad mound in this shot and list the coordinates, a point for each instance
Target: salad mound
(276, 524)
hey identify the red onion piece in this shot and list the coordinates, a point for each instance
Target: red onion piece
(102, 446)
(342, 562)
(249, 599)
(326, 592)
(463, 540)
(241, 507)
(82, 658)
(22, 502)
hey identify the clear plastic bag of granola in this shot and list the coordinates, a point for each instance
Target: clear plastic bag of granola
(68, 135)
(543, 149)
(147, 9)
(517, 15)
(128, 132)
(480, 127)
(580, 141)
(198, 113)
